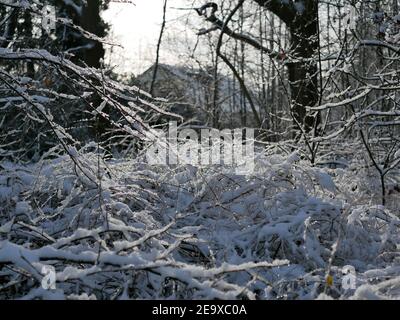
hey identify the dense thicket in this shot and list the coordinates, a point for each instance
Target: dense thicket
(77, 193)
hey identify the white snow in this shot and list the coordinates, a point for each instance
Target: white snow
(212, 236)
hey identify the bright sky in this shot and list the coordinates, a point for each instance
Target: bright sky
(137, 27)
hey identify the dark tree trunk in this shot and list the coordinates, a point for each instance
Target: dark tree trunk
(11, 26)
(301, 18)
(303, 73)
(92, 22)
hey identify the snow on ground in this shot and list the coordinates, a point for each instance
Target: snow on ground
(288, 231)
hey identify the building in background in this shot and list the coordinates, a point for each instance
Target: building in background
(191, 91)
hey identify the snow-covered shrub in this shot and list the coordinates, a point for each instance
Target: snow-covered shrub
(116, 229)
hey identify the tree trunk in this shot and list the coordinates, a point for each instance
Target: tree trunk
(303, 73)
(91, 21)
(301, 18)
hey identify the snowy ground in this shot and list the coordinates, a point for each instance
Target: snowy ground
(284, 232)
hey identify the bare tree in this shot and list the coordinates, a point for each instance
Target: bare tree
(301, 19)
(151, 89)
